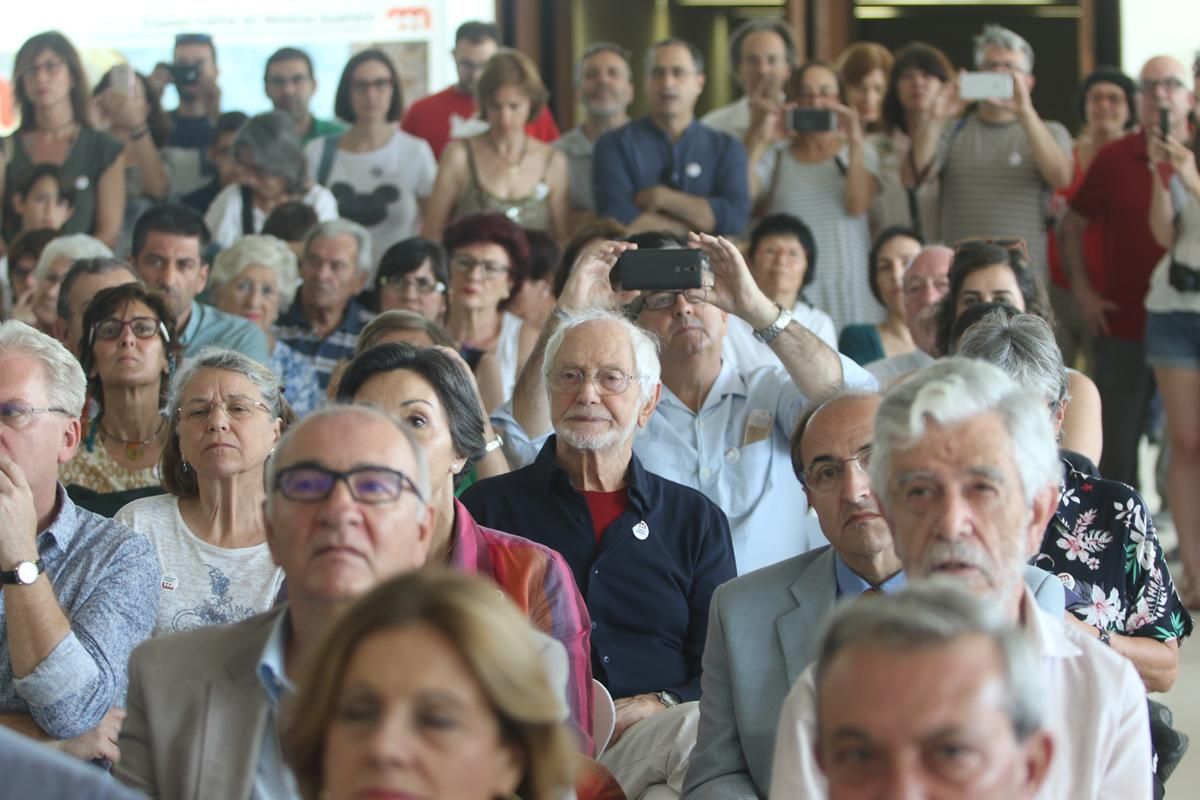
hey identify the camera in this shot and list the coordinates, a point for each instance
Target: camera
(1183, 278)
(184, 74)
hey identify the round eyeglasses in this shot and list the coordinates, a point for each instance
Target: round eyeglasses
(608, 381)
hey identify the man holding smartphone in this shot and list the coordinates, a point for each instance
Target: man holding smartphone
(193, 123)
(998, 162)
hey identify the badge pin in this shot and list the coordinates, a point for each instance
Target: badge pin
(1014, 159)
(641, 530)
(169, 583)
(82, 183)
(692, 170)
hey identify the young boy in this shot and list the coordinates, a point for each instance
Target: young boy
(44, 199)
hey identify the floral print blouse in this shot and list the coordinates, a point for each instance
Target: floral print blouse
(1103, 546)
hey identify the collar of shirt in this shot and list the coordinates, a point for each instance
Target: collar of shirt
(467, 547)
(193, 323)
(62, 529)
(352, 321)
(851, 584)
(575, 143)
(549, 473)
(649, 125)
(271, 668)
(729, 382)
(1045, 630)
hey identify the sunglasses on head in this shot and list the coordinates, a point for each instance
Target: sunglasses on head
(1013, 245)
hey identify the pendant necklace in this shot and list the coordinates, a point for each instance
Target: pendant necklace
(134, 450)
(513, 166)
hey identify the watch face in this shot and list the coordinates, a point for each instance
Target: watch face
(27, 572)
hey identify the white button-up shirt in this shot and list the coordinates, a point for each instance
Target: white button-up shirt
(736, 451)
(1094, 707)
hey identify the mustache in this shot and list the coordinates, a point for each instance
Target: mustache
(955, 552)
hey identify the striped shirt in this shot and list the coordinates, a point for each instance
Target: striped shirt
(992, 187)
(815, 192)
(294, 330)
(538, 580)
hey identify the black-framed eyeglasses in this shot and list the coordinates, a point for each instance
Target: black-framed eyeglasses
(17, 416)
(608, 381)
(402, 283)
(312, 483)
(663, 300)
(142, 327)
(824, 475)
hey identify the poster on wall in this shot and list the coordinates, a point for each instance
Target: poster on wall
(418, 35)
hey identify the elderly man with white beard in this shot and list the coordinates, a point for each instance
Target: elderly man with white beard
(646, 553)
(965, 467)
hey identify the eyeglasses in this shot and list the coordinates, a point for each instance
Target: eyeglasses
(51, 66)
(662, 300)
(402, 283)
(1152, 85)
(1012, 245)
(142, 327)
(236, 408)
(608, 381)
(379, 84)
(17, 416)
(312, 483)
(284, 81)
(491, 269)
(823, 476)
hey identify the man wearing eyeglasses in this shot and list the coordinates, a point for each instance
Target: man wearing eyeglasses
(451, 113)
(79, 591)
(1116, 193)
(290, 85)
(998, 162)
(346, 510)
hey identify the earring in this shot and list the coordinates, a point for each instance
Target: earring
(185, 467)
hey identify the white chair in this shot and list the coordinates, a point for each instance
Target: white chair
(604, 716)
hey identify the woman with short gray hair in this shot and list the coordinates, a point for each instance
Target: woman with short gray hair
(273, 171)
(227, 412)
(256, 279)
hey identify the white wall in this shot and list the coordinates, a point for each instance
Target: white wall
(1158, 27)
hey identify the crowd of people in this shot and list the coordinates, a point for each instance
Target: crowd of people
(339, 457)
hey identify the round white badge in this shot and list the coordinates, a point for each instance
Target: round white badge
(82, 183)
(1014, 159)
(641, 530)
(692, 170)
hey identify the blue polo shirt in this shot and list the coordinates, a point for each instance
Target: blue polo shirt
(648, 581)
(704, 162)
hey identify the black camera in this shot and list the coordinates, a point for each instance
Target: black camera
(184, 74)
(1183, 278)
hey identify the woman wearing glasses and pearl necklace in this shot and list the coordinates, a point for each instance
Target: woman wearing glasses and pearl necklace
(227, 413)
(127, 350)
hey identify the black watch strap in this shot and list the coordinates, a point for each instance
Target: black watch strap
(13, 576)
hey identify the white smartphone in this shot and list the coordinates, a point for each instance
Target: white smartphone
(121, 79)
(985, 86)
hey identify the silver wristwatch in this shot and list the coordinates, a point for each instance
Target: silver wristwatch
(768, 334)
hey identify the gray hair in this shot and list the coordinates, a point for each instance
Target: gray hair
(999, 36)
(73, 246)
(259, 250)
(938, 613)
(697, 56)
(101, 265)
(1024, 347)
(273, 145)
(421, 479)
(956, 389)
(645, 346)
(602, 47)
(775, 26)
(399, 319)
(264, 379)
(331, 228)
(66, 385)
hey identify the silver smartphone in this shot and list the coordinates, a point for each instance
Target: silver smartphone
(985, 86)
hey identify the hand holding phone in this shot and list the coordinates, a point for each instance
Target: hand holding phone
(985, 86)
(663, 269)
(120, 79)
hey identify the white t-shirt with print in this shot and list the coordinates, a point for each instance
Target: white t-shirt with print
(379, 190)
(202, 584)
(224, 217)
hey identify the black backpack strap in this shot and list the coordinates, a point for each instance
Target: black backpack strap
(247, 210)
(329, 146)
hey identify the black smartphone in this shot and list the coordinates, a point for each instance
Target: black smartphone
(658, 270)
(806, 120)
(1164, 122)
(184, 74)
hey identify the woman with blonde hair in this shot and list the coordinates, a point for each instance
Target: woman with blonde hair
(503, 170)
(431, 685)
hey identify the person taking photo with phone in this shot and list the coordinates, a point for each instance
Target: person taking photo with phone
(193, 71)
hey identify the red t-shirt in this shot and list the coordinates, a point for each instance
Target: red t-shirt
(1093, 239)
(605, 508)
(432, 118)
(1116, 194)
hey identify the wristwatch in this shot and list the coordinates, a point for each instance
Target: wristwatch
(668, 699)
(768, 334)
(1105, 638)
(494, 444)
(23, 573)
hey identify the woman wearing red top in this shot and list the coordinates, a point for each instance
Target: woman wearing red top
(1106, 107)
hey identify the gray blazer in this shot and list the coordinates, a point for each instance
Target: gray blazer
(762, 633)
(195, 712)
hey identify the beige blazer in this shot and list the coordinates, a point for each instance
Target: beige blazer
(196, 711)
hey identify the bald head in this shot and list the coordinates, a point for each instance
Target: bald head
(926, 282)
(1165, 84)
